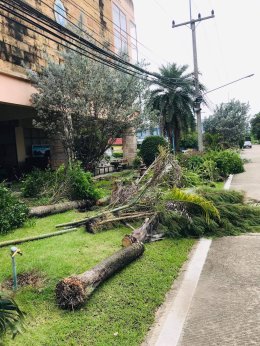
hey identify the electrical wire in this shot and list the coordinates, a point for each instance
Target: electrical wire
(65, 31)
(138, 43)
(80, 49)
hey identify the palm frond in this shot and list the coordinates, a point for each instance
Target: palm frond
(11, 317)
(208, 208)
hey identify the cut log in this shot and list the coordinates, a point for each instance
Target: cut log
(146, 233)
(72, 292)
(58, 208)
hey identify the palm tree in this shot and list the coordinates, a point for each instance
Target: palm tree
(11, 317)
(174, 99)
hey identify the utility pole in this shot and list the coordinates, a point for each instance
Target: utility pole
(198, 96)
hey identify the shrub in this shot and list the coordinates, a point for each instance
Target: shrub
(70, 182)
(150, 148)
(13, 212)
(208, 171)
(227, 161)
(190, 178)
(80, 183)
(118, 155)
(36, 182)
(137, 162)
(191, 161)
(213, 165)
(189, 140)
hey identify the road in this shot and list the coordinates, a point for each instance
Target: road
(249, 181)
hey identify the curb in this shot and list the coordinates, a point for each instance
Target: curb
(228, 182)
(167, 330)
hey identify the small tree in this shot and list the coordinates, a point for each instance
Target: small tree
(230, 121)
(86, 104)
(255, 126)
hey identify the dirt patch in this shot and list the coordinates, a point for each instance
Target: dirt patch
(33, 279)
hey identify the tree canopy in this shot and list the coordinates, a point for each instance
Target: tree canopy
(255, 126)
(229, 121)
(174, 99)
(86, 104)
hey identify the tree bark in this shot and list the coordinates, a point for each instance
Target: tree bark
(72, 292)
(146, 233)
(57, 208)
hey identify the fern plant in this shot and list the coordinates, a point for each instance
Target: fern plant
(11, 317)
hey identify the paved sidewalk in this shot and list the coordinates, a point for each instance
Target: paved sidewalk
(225, 310)
(225, 303)
(249, 181)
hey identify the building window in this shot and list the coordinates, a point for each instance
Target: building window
(134, 51)
(60, 13)
(120, 30)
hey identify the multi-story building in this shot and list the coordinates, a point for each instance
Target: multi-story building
(110, 23)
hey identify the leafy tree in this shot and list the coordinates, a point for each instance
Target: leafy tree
(229, 121)
(174, 101)
(86, 104)
(255, 126)
(11, 317)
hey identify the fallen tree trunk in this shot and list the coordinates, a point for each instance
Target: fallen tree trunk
(57, 208)
(146, 233)
(38, 237)
(72, 292)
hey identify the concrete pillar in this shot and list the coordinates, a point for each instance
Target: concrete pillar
(129, 146)
(20, 145)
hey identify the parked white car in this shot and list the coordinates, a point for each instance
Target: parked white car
(247, 144)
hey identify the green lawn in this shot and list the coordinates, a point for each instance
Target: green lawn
(118, 313)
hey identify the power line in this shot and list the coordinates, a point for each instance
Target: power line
(141, 73)
(21, 6)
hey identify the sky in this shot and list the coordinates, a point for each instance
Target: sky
(228, 45)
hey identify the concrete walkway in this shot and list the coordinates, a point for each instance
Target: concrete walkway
(249, 181)
(222, 307)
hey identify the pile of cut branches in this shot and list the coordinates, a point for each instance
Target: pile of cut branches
(148, 198)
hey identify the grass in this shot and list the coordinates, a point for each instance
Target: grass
(120, 312)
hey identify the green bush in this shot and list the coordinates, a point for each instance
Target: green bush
(70, 182)
(137, 162)
(190, 178)
(227, 161)
(36, 182)
(80, 183)
(189, 140)
(13, 212)
(118, 155)
(150, 148)
(208, 171)
(213, 165)
(191, 161)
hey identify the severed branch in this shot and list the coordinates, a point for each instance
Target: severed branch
(96, 225)
(146, 233)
